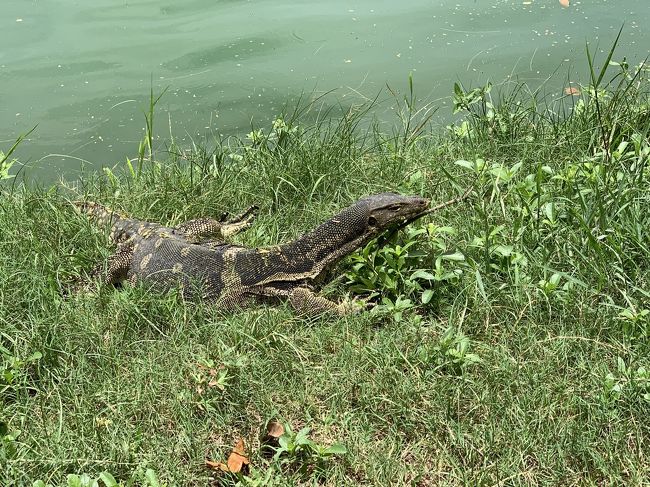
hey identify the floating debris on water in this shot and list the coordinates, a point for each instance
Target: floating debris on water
(572, 90)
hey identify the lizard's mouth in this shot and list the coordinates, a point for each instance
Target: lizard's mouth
(418, 207)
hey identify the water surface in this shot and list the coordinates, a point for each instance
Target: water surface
(83, 70)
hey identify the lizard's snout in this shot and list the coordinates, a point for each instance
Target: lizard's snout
(421, 203)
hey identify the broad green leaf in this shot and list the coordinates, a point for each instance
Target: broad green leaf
(35, 356)
(152, 478)
(466, 164)
(515, 168)
(503, 250)
(301, 436)
(479, 284)
(283, 441)
(108, 479)
(500, 172)
(448, 230)
(336, 449)
(74, 480)
(420, 274)
(456, 257)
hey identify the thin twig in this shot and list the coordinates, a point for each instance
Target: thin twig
(453, 201)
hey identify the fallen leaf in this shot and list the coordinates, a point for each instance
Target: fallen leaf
(274, 429)
(271, 437)
(237, 458)
(216, 465)
(236, 461)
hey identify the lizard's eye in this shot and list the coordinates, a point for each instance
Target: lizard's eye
(372, 221)
(394, 208)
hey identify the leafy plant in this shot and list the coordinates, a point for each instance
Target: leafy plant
(278, 138)
(105, 479)
(499, 255)
(5, 166)
(8, 444)
(503, 120)
(464, 100)
(450, 353)
(635, 323)
(394, 308)
(627, 384)
(412, 267)
(13, 369)
(297, 449)
(211, 377)
(5, 162)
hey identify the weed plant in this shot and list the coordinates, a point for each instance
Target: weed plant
(508, 345)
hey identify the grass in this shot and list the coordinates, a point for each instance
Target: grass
(509, 345)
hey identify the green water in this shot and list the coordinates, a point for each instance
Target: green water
(82, 70)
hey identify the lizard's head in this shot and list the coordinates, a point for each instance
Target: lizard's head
(386, 210)
(314, 252)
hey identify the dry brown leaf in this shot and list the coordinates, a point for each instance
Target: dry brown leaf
(237, 458)
(235, 463)
(274, 429)
(219, 466)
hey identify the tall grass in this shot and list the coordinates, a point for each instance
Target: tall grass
(509, 344)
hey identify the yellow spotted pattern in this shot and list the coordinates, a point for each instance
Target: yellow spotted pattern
(145, 261)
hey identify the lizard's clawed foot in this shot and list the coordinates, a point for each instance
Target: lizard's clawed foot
(355, 305)
(240, 222)
(77, 286)
(247, 215)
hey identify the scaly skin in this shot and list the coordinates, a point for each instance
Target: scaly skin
(232, 275)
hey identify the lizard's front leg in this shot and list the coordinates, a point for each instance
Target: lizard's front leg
(119, 264)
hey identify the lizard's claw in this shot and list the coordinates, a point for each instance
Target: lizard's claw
(357, 305)
(246, 216)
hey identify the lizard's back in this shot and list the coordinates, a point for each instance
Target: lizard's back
(169, 262)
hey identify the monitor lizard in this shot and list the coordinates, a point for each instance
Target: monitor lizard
(196, 256)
